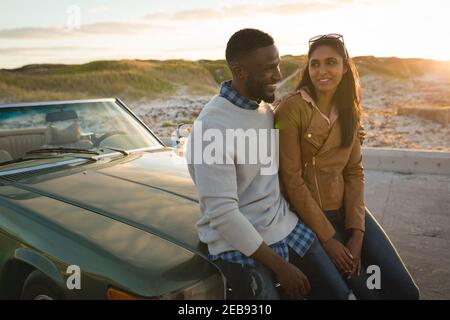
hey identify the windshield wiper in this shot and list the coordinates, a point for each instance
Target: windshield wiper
(122, 151)
(63, 150)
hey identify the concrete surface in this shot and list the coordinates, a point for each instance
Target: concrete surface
(414, 210)
(406, 160)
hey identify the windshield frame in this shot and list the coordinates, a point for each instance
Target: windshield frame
(64, 159)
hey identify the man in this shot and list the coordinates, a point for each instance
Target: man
(250, 232)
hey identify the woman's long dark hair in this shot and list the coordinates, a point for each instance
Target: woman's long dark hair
(347, 95)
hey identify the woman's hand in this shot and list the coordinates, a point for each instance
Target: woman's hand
(354, 245)
(340, 255)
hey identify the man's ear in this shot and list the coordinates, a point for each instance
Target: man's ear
(238, 71)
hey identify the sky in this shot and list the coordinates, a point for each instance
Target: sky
(71, 31)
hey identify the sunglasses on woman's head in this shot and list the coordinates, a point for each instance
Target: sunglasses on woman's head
(330, 36)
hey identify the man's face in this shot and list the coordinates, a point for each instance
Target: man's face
(263, 72)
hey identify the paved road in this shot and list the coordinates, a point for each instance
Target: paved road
(414, 209)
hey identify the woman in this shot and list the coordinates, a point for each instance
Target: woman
(322, 175)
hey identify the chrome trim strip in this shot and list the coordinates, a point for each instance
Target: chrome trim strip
(124, 106)
(51, 103)
(42, 166)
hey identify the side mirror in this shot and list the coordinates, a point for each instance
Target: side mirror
(179, 137)
(181, 133)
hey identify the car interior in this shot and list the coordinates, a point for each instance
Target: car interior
(63, 130)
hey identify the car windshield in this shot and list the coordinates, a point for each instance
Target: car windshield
(69, 128)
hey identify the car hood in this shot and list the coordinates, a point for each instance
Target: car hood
(151, 191)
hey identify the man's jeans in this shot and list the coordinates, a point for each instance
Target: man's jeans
(378, 251)
(259, 282)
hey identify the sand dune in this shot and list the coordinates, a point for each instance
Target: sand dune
(391, 115)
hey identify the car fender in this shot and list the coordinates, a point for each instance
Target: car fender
(41, 263)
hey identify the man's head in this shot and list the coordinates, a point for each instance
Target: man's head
(254, 62)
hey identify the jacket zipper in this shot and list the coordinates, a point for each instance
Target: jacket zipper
(315, 178)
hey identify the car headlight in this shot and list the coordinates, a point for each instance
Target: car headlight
(210, 288)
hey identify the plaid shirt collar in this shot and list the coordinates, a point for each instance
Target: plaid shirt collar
(231, 95)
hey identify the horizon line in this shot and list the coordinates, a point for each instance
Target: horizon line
(203, 59)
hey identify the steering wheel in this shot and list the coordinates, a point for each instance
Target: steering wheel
(107, 135)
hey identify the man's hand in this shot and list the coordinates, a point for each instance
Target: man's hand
(354, 245)
(293, 282)
(340, 255)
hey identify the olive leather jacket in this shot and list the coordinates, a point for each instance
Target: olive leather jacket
(316, 173)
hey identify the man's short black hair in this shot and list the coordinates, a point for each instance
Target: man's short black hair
(244, 41)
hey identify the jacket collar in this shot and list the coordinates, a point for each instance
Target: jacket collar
(322, 132)
(333, 114)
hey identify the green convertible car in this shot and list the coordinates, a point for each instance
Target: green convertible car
(94, 206)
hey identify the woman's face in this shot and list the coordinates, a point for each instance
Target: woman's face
(326, 68)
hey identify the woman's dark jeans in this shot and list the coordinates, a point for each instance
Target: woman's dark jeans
(377, 250)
